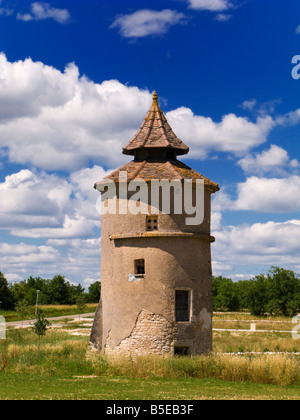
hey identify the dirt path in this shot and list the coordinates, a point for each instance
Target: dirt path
(29, 323)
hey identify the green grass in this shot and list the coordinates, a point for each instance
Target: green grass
(62, 371)
(62, 387)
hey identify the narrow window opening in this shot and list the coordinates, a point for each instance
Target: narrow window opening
(139, 267)
(182, 306)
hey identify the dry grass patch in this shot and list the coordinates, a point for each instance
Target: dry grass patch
(235, 342)
(276, 370)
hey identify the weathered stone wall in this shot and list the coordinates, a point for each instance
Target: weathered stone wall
(152, 334)
(97, 330)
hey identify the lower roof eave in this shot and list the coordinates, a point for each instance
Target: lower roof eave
(186, 235)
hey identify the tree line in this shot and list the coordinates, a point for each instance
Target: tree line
(276, 293)
(55, 291)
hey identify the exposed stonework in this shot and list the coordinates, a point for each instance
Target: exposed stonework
(152, 334)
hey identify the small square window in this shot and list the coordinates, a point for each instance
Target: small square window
(139, 267)
(152, 223)
(181, 351)
(182, 305)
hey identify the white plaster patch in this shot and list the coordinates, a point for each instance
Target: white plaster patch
(207, 318)
(132, 278)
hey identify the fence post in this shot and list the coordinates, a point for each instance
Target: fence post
(2, 328)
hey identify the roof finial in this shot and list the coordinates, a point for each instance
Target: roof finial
(155, 97)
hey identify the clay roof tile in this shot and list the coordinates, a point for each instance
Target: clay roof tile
(155, 132)
(169, 170)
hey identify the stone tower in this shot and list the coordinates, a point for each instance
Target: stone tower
(156, 284)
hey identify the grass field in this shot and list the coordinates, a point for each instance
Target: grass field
(49, 311)
(62, 371)
(118, 388)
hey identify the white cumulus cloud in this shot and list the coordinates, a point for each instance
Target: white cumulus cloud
(274, 160)
(273, 195)
(222, 17)
(260, 243)
(56, 120)
(41, 205)
(42, 11)
(233, 134)
(211, 5)
(37, 207)
(264, 195)
(146, 22)
(76, 258)
(32, 200)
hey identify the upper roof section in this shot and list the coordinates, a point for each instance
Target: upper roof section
(169, 170)
(155, 133)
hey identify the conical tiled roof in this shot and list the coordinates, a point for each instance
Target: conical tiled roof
(155, 133)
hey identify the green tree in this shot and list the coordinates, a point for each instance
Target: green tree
(81, 304)
(225, 294)
(228, 295)
(94, 292)
(283, 292)
(52, 291)
(6, 296)
(257, 296)
(243, 291)
(37, 283)
(40, 326)
(23, 309)
(26, 290)
(216, 281)
(59, 291)
(76, 292)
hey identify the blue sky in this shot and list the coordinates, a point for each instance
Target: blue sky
(76, 80)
